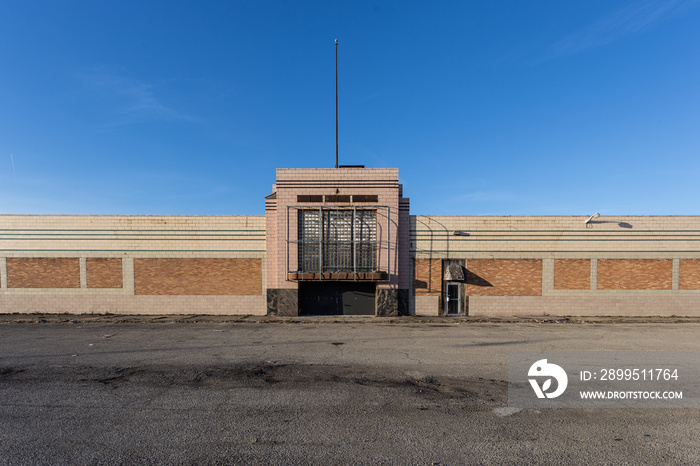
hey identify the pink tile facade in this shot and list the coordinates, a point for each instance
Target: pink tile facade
(281, 219)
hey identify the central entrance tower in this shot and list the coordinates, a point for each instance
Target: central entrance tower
(337, 242)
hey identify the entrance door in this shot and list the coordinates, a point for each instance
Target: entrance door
(358, 299)
(453, 298)
(318, 299)
(336, 298)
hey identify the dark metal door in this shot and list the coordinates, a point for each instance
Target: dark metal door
(358, 299)
(318, 299)
(336, 298)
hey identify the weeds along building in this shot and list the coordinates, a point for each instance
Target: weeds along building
(343, 241)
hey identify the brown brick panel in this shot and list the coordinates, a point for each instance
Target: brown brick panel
(198, 276)
(43, 272)
(635, 274)
(572, 274)
(504, 277)
(427, 277)
(689, 274)
(104, 272)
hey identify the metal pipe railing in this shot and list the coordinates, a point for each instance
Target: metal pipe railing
(326, 246)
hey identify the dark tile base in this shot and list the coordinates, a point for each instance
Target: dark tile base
(403, 302)
(272, 302)
(288, 302)
(282, 302)
(387, 303)
(285, 302)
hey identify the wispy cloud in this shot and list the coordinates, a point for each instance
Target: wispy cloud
(128, 100)
(370, 96)
(635, 18)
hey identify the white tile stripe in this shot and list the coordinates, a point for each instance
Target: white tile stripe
(3, 273)
(676, 273)
(83, 273)
(128, 275)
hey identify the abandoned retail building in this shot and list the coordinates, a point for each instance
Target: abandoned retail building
(343, 241)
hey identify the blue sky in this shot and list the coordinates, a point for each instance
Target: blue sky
(503, 107)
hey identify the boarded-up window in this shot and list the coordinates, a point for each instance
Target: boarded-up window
(635, 274)
(504, 277)
(104, 272)
(197, 276)
(43, 272)
(689, 274)
(572, 274)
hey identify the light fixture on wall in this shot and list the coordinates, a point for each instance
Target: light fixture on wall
(588, 221)
(460, 233)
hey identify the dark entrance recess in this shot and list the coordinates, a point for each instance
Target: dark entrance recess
(336, 298)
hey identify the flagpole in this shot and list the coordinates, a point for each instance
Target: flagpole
(336, 103)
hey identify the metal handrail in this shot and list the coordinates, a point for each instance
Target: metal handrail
(353, 243)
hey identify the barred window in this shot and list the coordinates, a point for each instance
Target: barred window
(343, 241)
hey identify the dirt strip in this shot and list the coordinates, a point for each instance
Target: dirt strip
(406, 320)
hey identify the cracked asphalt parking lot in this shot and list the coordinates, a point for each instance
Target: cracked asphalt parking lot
(363, 392)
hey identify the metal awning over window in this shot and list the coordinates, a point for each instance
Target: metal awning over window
(454, 272)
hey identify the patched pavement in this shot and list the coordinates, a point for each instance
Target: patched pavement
(218, 390)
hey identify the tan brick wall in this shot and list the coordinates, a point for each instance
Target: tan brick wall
(427, 305)
(689, 274)
(504, 277)
(635, 274)
(43, 272)
(427, 277)
(572, 274)
(112, 235)
(116, 303)
(557, 237)
(104, 272)
(555, 306)
(197, 276)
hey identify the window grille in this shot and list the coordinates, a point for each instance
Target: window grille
(342, 241)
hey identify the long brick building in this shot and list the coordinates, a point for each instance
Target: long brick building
(343, 241)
